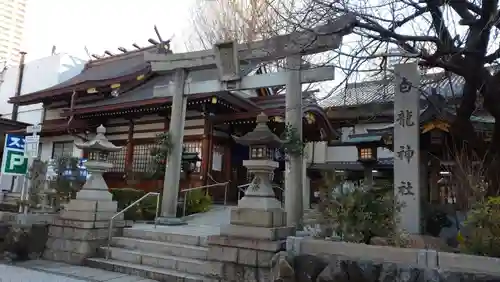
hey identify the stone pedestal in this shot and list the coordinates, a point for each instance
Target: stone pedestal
(245, 248)
(80, 229)
(257, 231)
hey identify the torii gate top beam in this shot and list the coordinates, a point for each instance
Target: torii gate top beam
(320, 39)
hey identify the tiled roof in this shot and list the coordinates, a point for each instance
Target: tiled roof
(381, 91)
(96, 73)
(145, 91)
(8, 124)
(278, 100)
(142, 92)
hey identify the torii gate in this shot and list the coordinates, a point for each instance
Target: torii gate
(226, 58)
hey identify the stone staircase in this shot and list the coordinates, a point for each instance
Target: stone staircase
(165, 254)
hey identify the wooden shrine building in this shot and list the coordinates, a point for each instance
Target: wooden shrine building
(119, 92)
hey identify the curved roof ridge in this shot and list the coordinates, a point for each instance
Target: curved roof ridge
(119, 56)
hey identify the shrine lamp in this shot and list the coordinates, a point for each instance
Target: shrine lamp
(99, 148)
(261, 140)
(188, 161)
(367, 153)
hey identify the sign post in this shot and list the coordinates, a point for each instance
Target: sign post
(31, 152)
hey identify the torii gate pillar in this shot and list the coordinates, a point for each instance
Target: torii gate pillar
(173, 167)
(293, 117)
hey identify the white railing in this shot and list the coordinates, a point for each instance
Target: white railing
(110, 229)
(187, 191)
(186, 195)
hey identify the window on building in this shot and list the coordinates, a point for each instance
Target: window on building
(143, 160)
(62, 149)
(118, 160)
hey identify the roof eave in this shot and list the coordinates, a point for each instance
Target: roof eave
(13, 124)
(39, 96)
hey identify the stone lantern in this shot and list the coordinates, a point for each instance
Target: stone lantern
(367, 155)
(92, 216)
(188, 162)
(98, 150)
(259, 216)
(262, 142)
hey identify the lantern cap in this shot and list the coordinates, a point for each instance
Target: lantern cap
(190, 156)
(261, 135)
(99, 143)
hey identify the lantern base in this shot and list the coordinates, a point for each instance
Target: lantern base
(259, 203)
(170, 221)
(259, 194)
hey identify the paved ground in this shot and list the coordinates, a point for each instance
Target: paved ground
(201, 224)
(217, 216)
(47, 271)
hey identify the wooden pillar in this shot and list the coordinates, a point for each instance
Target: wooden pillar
(226, 162)
(129, 157)
(211, 147)
(166, 124)
(435, 168)
(206, 151)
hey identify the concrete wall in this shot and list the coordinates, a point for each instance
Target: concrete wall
(424, 258)
(38, 74)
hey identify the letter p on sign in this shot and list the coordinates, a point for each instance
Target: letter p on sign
(16, 163)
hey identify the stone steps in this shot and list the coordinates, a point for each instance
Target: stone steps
(162, 254)
(185, 239)
(163, 248)
(185, 265)
(150, 272)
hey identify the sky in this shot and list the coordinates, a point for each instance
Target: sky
(99, 25)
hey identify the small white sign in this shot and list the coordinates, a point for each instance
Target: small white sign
(34, 128)
(32, 139)
(31, 146)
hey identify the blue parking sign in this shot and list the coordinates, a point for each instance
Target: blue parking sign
(14, 161)
(14, 142)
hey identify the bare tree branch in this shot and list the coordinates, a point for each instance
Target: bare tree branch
(457, 36)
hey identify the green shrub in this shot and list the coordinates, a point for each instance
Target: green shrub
(147, 208)
(125, 197)
(480, 234)
(360, 214)
(197, 201)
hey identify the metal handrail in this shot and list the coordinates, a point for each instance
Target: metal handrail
(110, 229)
(186, 191)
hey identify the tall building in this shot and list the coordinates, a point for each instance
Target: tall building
(12, 14)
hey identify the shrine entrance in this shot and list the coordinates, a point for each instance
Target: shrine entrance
(226, 58)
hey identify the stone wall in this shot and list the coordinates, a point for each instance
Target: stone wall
(23, 236)
(22, 241)
(319, 260)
